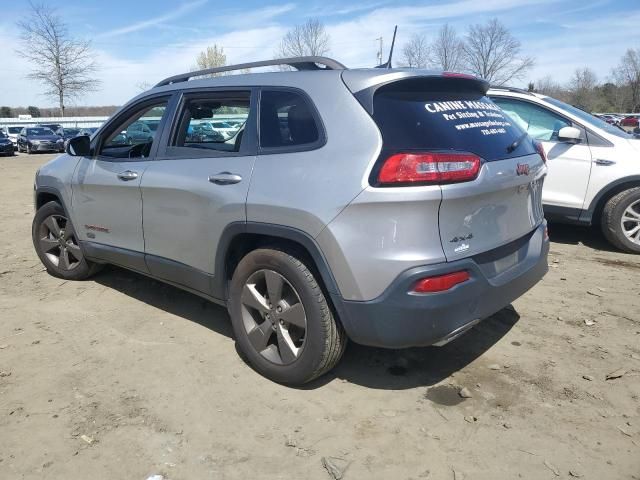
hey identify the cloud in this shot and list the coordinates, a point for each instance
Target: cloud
(560, 46)
(152, 22)
(251, 18)
(244, 46)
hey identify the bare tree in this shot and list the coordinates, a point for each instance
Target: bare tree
(492, 53)
(548, 86)
(308, 39)
(416, 52)
(211, 57)
(448, 50)
(627, 76)
(581, 87)
(63, 65)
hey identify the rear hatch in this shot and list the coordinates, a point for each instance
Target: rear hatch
(489, 170)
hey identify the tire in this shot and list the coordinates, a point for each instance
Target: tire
(319, 345)
(621, 220)
(28, 149)
(50, 230)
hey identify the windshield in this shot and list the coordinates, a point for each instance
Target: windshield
(14, 129)
(587, 117)
(71, 131)
(39, 131)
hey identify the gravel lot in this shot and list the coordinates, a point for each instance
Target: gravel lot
(122, 377)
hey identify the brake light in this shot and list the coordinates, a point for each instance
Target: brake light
(434, 168)
(441, 283)
(540, 149)
(458, 75)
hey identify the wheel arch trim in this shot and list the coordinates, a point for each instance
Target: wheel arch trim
(291, 234)
(50, 191)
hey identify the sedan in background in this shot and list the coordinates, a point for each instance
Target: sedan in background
(39, 139)
(54, 127)
(67, 133)
(6, 145)
(629, 123)
(88, 131)
(610, 119)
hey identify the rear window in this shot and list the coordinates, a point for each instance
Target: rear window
(287, 121)
(411, 118)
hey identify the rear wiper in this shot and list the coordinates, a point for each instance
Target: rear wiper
(516, 143)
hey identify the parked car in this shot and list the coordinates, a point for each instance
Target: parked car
(138, 132)
(630, 123)
(54, 127)
(67, 133)
(39, 139)
(610, 119)
(6, 145)
(202, 133)
(594, 167)
(397, 208)
(13, 133)
(88, 131)
(152, 124)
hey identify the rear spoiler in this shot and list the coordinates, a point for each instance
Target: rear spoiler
(364, 87)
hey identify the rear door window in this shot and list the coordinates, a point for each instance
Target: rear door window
(287, 121)
(213, 122)
(412, 117)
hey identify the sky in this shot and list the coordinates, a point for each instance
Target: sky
(140, 42)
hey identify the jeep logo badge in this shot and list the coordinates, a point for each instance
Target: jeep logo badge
(522, 169)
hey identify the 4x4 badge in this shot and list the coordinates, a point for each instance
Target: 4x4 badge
(461, 238)
(522, 169)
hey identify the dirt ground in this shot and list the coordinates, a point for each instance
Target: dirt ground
(122, 377)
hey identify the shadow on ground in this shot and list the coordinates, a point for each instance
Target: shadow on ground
(370, 367)
(591, 237)
(168, 298)
(419, 367)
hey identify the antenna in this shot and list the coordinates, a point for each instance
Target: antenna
(393, 42)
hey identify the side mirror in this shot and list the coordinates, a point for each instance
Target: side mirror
(79, 146)
(570, 135)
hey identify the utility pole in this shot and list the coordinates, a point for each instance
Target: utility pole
(379, 55)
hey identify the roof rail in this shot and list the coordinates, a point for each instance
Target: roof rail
(299, 63)
(511, 89)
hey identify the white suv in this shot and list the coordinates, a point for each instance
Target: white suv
(594, 167)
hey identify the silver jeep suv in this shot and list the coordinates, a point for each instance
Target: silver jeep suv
(393, 207)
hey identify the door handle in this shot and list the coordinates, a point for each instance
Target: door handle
(127, 175)
(225, 178)
(606, 163)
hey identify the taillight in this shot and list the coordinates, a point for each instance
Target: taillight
(440, 283)
(429, 168)
(540, 149)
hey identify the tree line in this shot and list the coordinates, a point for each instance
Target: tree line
(72, 111)
(66, 67)
(620, 92)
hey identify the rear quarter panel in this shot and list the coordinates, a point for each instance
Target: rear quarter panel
(306, 190)
(382, 233)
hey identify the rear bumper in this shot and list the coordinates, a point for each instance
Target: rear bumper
(398, 319)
